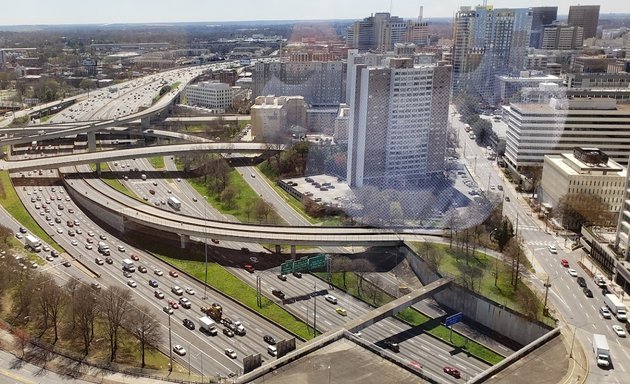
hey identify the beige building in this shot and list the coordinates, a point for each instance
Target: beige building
(586, 171)
(274, 117)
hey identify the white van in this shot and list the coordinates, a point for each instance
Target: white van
(272, 350)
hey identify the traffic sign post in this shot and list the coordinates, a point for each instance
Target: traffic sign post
(286, 267)
(300, 265)
(304, 264)
(317, 262)
(452, 320)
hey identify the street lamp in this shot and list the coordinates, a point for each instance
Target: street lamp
(205, 245)
(170, 346)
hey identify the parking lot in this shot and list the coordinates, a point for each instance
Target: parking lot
(324, 189)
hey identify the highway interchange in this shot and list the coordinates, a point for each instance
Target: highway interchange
(564, 293)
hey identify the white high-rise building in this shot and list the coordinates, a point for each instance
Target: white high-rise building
(397, 123)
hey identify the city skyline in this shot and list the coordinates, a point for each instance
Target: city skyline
(162, 11)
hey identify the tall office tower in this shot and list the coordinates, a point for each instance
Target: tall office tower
(541, 16)
(585, 16)
(382, 31)
(563, 37)
(321, 83)
(488, 42)
(397, 123)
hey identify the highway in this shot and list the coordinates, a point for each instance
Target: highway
(581, 313)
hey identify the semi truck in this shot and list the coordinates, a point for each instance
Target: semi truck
(33, 242)
(616, 307)
(215, 311)
(207, 325)
(601, 350)
(173, 202)
(127, 265)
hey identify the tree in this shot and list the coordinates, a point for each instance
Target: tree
(482, 130)
(86, 84)
(361, 267)
(85, 311)
(262, 209)
(503, 234)
(342, 264)
(432, 256)
(145, 328)
(115, 303)
(228, 196)
(577, 209)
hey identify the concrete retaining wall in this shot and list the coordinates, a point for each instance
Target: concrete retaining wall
(104, 214)
(486, 312)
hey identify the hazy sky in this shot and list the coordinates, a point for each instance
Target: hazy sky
(140, 11)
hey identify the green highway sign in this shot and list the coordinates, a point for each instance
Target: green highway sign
(317, 262)
(300, 265)
(286, 267)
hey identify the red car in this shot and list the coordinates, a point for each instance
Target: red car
(452, 371)
(564, 263)
(249, 268)
(215, 241)
(173, 304)
(135, 257)
(173, 273)
(415, 364)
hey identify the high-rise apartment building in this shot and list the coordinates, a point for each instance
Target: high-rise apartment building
(585, 16)
(382, 31)
(541, 16)
(488, 42)
(562, 36)
(397, 123)
(321, 83)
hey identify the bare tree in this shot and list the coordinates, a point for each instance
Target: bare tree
(84, 312)
(262, 209)
(342, 264)
(145, 328)
(114, 303)
(71, 287)
(433, 256)
(228, 196)
(361, 267)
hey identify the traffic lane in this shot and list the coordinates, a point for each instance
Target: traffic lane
(14, 371)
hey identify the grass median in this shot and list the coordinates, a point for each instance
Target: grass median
(223, 281)
(157, 162)
(12, 203)
(373, 295)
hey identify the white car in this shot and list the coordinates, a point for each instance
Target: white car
(190, 291)
(229, 352)
(618, 329)
(74, 242)
(158, 272)
(552, 249)
(179, 350)
(331, 299)
(605, 312)
(572, 272)
(132, 283)
(121, 248)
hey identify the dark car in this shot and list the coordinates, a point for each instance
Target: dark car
(581, 282)
(452, 371)
(297, 274)
(605, 291)
(269, 340)
(587, 292)
(228, 332)
(109, 260)
(394, 347)
(189, 324)
(142, 268)
(249, 268)
(282, 277)
(153, 283)
(278, 293)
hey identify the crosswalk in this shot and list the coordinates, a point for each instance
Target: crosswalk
(540, 243)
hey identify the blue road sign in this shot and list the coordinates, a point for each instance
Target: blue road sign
(453, 319)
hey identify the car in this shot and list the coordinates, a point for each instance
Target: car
(605, 312)
(572, 272)
(194, 199)
(109, 260)
(552, 249)
(19, 235)
(158, 294)
(581, 282)
(23, 230)
(142, 269)
(177, 290)
(102, 237)
(127, 274)
(618, 329)
(134, 256)
(507, 198)
(46, 248)
(587, 292)
(132, 283)
(50, 258)
(278, 293)
(189, 324)
(74, 242)
(565, 263)
(70, 210)
(99, 261)
(179, 350)
(269, 340)
(121, 248)
(189, 291)
(331, 299)
(415, 364)
(341, 311)
(215, 241)
(282, 277)
(66, 264)
(249, 268)
(58, 220)
(71, 232)
(605, 291)
(153, 283)
(90, 233)
(173, 273)
(394, 347)
(228, 332)
(158, 272)
(229, 352)
(173, 304)
(452, 371)
(77, 222)
(297, 274)
(54, 253)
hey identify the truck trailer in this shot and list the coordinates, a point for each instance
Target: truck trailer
(616, 307)
(207, 325)
(33, 242)
(127, 265)
(601, 350)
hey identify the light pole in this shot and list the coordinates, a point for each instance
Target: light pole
(205, 246)
(170, 346)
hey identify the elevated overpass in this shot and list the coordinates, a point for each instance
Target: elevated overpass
(132, 153)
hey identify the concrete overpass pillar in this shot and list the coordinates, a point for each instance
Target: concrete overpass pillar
(278, 249)
(183, 239)
(145, 122)
(293, 251)
(92, 148)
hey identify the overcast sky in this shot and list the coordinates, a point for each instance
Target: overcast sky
(141, 11)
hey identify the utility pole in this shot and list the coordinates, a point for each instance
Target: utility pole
(547, 285)
(205, 245)
(315, 311)
(258, 287)
(329, 270)
(170, 346)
